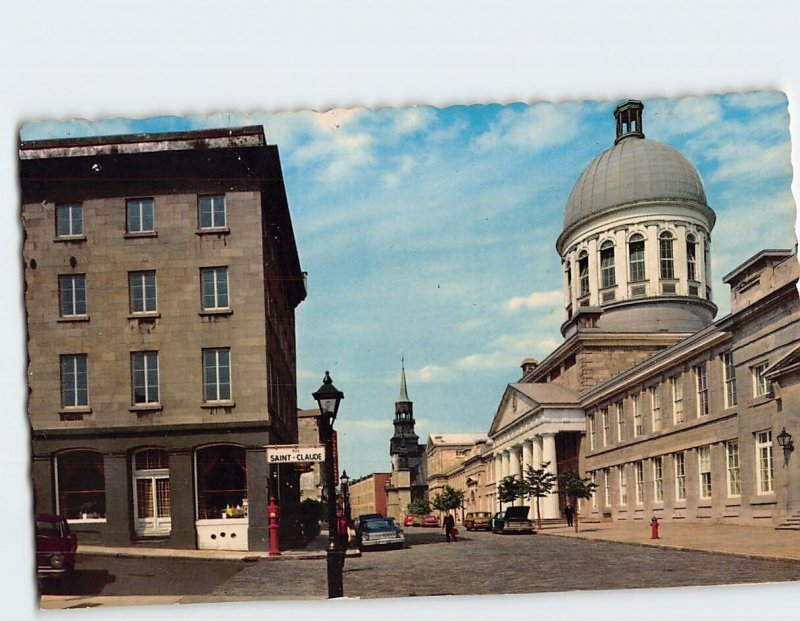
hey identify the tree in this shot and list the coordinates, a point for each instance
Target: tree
(539, 483)
(510, 489)
(419, 507)
(448, 499)
(574, 487)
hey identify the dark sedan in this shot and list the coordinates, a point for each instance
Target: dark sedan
(55, 546)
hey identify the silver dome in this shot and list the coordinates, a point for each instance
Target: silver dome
(632, 171)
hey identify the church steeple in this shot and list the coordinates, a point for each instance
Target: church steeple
(404, 439)
(403, 387)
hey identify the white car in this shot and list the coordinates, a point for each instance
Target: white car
(377, 534)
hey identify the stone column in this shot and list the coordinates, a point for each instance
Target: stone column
(621, 264)
(119, 504)
(594, 273)
(526, 456)
(257, 529)
(498, 467)
(652, 263)
(550, 508)
(514, 459)
(536, 453)
(506, 464)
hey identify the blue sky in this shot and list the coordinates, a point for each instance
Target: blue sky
(428, 233)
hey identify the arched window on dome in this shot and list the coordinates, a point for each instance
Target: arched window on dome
(636, 258)
(568, 274)
(666, 255)
(691, 257)
(608, 277)
(583, 273)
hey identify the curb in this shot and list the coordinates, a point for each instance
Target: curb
(666, 546)
(191, 555)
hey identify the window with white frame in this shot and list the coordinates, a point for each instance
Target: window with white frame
(144, 372)
(607, 487)
(140, 215)
(680, 476)
(638, 473)
(655, 404)
(701, 384)
(638, 420)
(636, 258)
(734, 475)
(620, 421)
(69, 219)
(583, 274)
(214, 285)
(729, 376)
(211, 212)
(764, 461)
(74, 381)
(704, 469)
(691, 257)
(216, 375)
(72, 295)
(593, 475)
(142, 286)
(608, 276)
(623, 486)
(658, 479)
(606, 425)
(761, 385)
(666, 255)
(591, 432)
(676, 385)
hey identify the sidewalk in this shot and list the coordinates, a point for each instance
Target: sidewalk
(316, 549)
(759, 542)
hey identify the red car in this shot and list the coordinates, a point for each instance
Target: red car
(55, 546)
(410, 519)
(430, 520)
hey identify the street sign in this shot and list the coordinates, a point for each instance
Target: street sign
(294, 454)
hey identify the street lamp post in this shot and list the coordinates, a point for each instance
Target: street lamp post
(345, 482)
(328, 399)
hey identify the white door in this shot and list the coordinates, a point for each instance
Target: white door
(152, 504)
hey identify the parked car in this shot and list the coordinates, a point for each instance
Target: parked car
(512, 520)
(478, 520)
(430, 521)
(365, 517)
(55, 546)
(379, 533)
(412, 519)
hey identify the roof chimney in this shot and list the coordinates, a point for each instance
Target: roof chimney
(629, 119)
(528, 366)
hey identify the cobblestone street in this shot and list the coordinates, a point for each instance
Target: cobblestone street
(483, 564)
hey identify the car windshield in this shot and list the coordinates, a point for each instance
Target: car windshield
(48, 529)
(376, 525)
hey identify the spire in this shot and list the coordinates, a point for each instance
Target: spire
(403, 388)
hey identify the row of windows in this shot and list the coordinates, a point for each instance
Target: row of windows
(764, 473)
(214, 292)
(216, 369)
(600, 423)
(636, 261)
(140, 216)
(220, 483)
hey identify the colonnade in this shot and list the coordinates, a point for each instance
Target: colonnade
(533, 451)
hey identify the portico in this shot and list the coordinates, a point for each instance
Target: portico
(527, 431)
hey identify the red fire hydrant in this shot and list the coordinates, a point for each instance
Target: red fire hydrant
(274, 543)
(654, 528)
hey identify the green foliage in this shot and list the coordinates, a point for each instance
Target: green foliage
(448, 499)
(419, 507)
(539, 482)
(573, 486)
(511, 488)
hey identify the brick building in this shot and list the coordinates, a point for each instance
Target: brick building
(161, 281)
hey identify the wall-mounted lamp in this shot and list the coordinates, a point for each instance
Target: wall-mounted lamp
(785, 441)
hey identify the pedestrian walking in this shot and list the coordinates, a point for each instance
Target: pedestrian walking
(342, 533)
(569, 512)
(450, 528)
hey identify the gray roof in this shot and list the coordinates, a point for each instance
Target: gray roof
(458, 439)
(632, 171)
(548, 394)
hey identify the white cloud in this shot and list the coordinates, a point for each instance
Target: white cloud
(532, 129)
(413, 119)
(491, 360)
(682, 116)
(403, 166)
(750, 161)
(757, 99)
(536, 299)
(430, 373)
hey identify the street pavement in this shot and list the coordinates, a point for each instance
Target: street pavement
(601, 556)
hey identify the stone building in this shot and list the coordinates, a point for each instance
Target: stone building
(648, 394)
(309, 433)
(458, 460)
(368, 494)
(161, 281)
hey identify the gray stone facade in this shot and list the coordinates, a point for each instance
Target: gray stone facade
(255, 253)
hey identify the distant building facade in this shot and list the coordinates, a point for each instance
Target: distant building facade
(309, 433)
(368, 494)
(671, 413)
(161, 281)
(458, 460)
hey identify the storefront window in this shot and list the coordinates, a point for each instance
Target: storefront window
(81, 485)
(221, 482)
